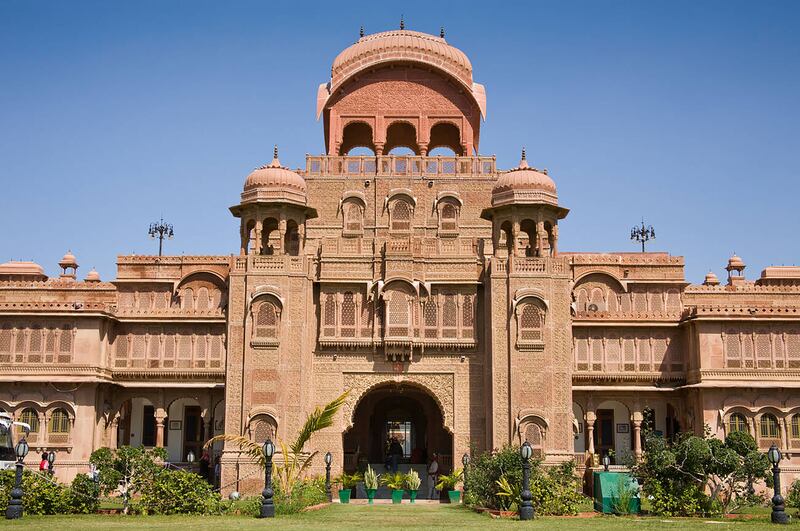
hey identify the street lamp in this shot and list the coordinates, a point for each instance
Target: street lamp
(267, 507)
(328, 461)
(14, 510)
(606, 462)
(526, 510)
(190, 458)
(779, 515)
(465, 462)
(51, 458)
(643, 234)
(160, 230)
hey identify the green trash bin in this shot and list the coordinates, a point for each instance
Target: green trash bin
(607, 486)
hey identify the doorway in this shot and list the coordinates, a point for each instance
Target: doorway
(193, 436)
(604, 432)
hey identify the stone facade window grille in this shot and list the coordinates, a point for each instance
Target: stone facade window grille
(769, 426)
(353, 221)
(400, 216)
(737, 422)
(530, 325)
(266, 319)
(448, 219)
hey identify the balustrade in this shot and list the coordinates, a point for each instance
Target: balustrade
(399, 165)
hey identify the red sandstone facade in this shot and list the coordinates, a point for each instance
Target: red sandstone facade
(431, 287)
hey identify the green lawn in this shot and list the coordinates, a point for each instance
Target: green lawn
(379, 516)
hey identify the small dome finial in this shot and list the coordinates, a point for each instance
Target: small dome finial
(402, 23)
(441, 32)
(361, 31)
(275, 152)
(523, 153)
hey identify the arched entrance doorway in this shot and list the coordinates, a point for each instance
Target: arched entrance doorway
(406, 413)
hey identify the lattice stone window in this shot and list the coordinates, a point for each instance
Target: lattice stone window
(266, 323)
(448, 218)
(59, 422)
(430, 314)
(398, 314)
(263, 427)
(348, 323)
(468, 318)
(329, 315)
(5, 344)
(530, 324)
(534, 435)
(769, 426)
(401, 215)
(796, 426)
(737, 422)
(353, 217)
(366, 316)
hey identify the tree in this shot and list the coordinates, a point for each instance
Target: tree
(128, 469)
(700, 474)
(295, 463)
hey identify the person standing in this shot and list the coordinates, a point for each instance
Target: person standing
(43, 463)
(433, 475)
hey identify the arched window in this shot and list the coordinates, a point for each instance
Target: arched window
(448, 218)
(431, 318)
(329, 315)
(187, 299)
(59, 422)
(266, 325)
(531, 320)
(769, 426)
(401, 216)
(291, 240)
(737, 422)
(263, 427)
(356, 134)
(270, 238)
(398, 313)
(30, 417)
(796, 426)
(353, 215)
(449, 316)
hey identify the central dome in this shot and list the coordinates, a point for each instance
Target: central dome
(398, 45)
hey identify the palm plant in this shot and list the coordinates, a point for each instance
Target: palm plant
(412, 480)
(449, 481)
(395, 481)
(295, 463)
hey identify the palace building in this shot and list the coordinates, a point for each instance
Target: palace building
(410, 270)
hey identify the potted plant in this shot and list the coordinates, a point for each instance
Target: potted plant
(412, 484)
(396, 482)
(371, 483)
(347, 481)
(448, 482)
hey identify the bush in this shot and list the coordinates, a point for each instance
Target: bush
(41, 496)
(492, 480)
(178, 492)
(793, 497)
(306, 492)
(83, 496)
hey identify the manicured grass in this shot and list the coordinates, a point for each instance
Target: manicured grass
(359, 517)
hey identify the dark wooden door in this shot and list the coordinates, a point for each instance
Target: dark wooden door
(604, 431)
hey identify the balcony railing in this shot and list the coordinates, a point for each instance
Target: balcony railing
(400, 165)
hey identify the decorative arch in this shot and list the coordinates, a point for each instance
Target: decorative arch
(530, 312)
(356, 134)
(622, 284)
(353, 205)
(401, 133)
(532, 427)
(262, 423)
(446, 134)
(266, 290)
(440, 387)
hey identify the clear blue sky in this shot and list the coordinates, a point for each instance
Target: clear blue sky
(114, 113)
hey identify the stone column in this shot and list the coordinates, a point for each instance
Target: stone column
(784, 434)
(637, 439)
(541, 234)
(281, 235)
(513, 244)
(114, 439)
(161, 417)
(257, 235)
(590, 418)
(554, 250)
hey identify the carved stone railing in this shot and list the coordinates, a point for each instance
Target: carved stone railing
(399, 165)
(270, 264)
(539, 266)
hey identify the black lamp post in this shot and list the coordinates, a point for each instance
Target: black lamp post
(328, 461)
(526, 510)
(606, 462)
(465, 462)
(51, 458)
(779, 515)
(190, 459)
(267, 506)
(160, 230)
(14, 510)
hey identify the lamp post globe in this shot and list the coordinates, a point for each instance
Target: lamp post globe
(526, 508)
(606, 462)
(51, 458)
(190, 458)
(328, 461)
(267, 505)
(778, 515)
(14, 509)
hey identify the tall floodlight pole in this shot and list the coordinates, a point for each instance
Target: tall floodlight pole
(160, 230)
(643, 234)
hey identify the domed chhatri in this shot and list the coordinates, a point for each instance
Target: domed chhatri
(524, 185)
(735, 263)
(69, 266)
(275, 183)
(710, 279)
(92, 276)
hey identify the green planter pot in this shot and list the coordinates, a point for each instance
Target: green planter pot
(397, 496)
(344, 495)
(413, 495)
(371, 495)
(454, 495)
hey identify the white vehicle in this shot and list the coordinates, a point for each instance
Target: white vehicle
(8, 458)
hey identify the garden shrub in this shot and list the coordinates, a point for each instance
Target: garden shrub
(41, 496)
(554, 491)
(83, 496)
(793, 496)
(306, 492)
(178, 492)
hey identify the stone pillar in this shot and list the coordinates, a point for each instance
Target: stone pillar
(590, 418)
(541, 235)
(513, 245)
(257, 235)
(114, 439)
(281, 235)
(637, 439)
(423, 149)
(379, 149)
(784, 434)
(554, 250)
(161, 417)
